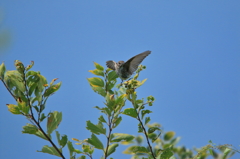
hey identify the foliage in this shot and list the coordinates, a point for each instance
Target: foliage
(31, 91)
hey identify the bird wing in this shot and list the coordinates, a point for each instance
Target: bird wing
(111, 64)
(132, 63)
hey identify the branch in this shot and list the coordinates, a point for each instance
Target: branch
(109, 134)
(35, 121)
(145, 132)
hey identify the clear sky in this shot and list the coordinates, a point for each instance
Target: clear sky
(193, 71)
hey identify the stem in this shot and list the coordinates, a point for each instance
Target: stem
(109, 134)
(32, 115)
(145, 132)
(40, 128)
(37, 122)
(89, 156)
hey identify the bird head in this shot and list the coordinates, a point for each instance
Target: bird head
(120, 63)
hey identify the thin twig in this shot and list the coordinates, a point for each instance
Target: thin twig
(89, 155)
(36, 122)
(109, 133)
(145, 132)
(32, 118)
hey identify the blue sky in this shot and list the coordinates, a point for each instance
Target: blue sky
(193, 71)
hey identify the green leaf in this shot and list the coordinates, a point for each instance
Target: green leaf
(32, 129)
(144, 112)
(141, 83)
(99, 90)
(58, 137)
(111, 84)
(139, 139)
(120, 100)
(96, 82)
(150, 98)
(130, 112)
(106, 111)
(96, 129)
(97, 107)
(23, 106)
(77, 151)
(19, 66)
(70, 148)
(119, 119)
(54, 120)
(95, 142)
(153, 136)
(117, 137)
(169, 135)
(63, 141)
(2, 71)
(101, 119)
(97, 72)
(32, 79)
(82, 157)
(86, 148)
(31, 73)
(50, 150)
(211, 152)
(42, 107)
(41, 83)
(147, 120)
(53, 88)
(14, 78)
(41, 135)
(139, 101)
(122, 90)
(111, 149)
(32, 88)
(98, 66)
(35, 107)
(42, 117)
(13, 109)
(112, 76)
(29, 129)
(53, 80)
(38, 96)
(136, 149)
(30, 66)
(166, 154)
(152, 129)
(110, 101)
(20, 94)
(140, 129)
(175, 141)
(226, 152)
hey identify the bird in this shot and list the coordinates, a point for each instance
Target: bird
(125, 69)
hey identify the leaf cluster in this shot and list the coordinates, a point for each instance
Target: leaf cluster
(31, 91)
